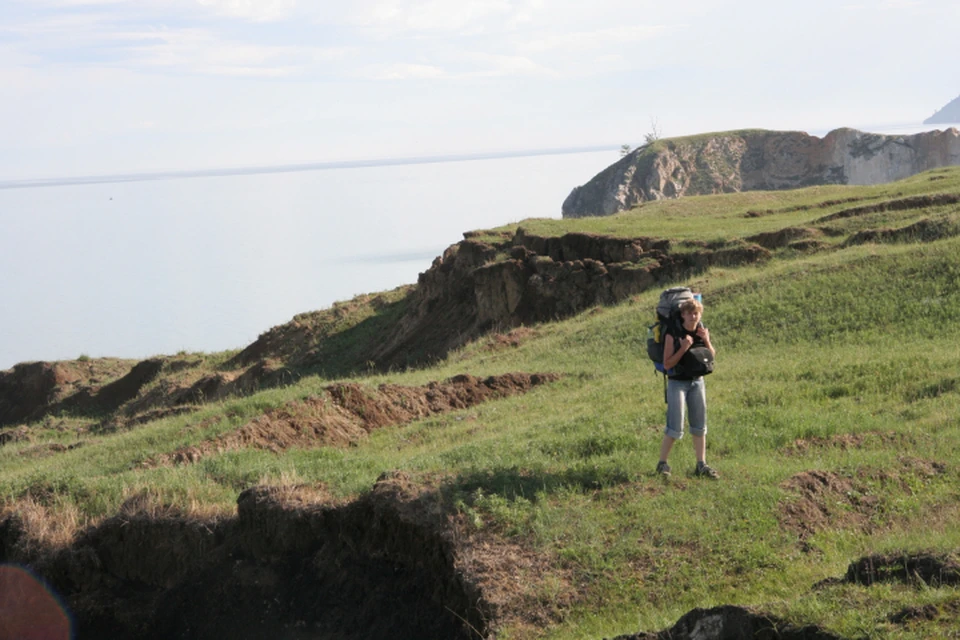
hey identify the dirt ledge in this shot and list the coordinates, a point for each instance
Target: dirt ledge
(396, 563)
(348, 412)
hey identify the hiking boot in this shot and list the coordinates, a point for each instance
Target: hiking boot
(663, 469)
(704, 470)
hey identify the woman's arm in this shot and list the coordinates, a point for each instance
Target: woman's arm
(671, 358)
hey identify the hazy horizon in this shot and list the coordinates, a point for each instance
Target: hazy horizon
(288, 168)
(109, 87)
(167, 174)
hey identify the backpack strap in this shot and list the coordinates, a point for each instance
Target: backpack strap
(665, 370)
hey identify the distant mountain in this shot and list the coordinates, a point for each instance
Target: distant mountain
(948, 115)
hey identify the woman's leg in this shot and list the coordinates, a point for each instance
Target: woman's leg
(700, 448)
(676, 407)
(665, 446)
(697, 404)
(674, 429)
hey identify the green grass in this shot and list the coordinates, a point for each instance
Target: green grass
(857, 341)
(686, 218)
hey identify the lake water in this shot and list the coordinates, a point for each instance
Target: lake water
(135, 269)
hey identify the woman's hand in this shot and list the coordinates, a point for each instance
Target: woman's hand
(704, 334)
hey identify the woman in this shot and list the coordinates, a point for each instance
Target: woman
(686, 388)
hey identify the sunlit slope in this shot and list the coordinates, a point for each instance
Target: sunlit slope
(832, 419)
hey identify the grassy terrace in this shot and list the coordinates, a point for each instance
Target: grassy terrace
(840, 363)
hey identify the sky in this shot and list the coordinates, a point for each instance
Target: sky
(95, 87)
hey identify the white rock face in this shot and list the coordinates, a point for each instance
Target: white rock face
(756, 159)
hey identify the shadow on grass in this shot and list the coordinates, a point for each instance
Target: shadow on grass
(349, 353)
(512, 483)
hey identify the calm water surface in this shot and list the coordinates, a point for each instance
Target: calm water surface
(206, 264)
(135, 269)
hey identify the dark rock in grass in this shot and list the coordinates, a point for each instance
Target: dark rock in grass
(925, 612)
(729, 622)
(933, 569)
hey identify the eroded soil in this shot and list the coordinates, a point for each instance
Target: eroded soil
(397, 563)
(348, 412)
(824, 499)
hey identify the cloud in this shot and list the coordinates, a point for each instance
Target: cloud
(85, 3)
(103, 39)
(914, 6)
(493, 65)
(202, 51)
(253, 10)
(403, 71)
(393, 16)
(599, 38)
(463, 66)
(380, 39)
(73, 26)
(900, 4)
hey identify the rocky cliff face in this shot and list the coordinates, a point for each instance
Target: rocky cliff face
(757, 159)
(478, 286)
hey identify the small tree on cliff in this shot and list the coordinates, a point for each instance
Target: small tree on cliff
(655, 132)
(653, 135)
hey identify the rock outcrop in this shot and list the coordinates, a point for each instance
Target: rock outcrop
(478, 286)
(758, 160)
(949, 114)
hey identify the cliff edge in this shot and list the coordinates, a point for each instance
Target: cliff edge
(758, 160)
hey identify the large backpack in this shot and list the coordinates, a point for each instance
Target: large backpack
(668, 323)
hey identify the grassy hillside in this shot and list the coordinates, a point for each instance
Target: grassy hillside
(833, 419)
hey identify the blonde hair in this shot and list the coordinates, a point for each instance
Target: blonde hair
(691, 305)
